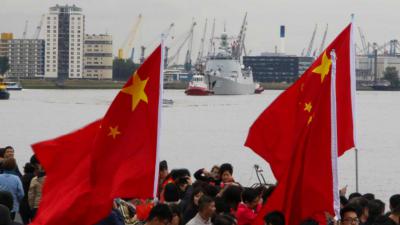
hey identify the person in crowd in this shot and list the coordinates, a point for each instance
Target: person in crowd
(114, 218)
(5, 218)
(9, 153)
(369, 196)
(24, 209)
(361, 204)
(354, 195)
(232, 197)
(350, 215)
(226, 174)
(249, 207)
(375, 210)
(343, 201)
(177, 218)
(206, 211)
(171, 194)
(224, 219)
(162, 174)
(159, 215)
(267, 193)
(212, 177)
(193, 206)
(274, 218)
(11, 183)
(35, 190)
(395, 208)
(6, 199)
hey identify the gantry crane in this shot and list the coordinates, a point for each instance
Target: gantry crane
(25, 30)
(39, 28)
(310, 45)
(128, 43)
(321, 48)
(188, 36)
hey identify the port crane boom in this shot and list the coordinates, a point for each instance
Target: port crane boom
(310, 45)
(128, 43)
(321, 48)
(38, 28)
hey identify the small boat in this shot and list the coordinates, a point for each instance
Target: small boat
(197, 86)
(167, 102)
(13, 86)
(3, 91)
(259, 89)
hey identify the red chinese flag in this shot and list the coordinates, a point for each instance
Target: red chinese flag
(124, 163)
(302, 132)
(114, 157)
(66, 193)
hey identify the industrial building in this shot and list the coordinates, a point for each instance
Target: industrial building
(26, 58)
(64, 29)
(98, 58)
(5, 42)
(272, 67)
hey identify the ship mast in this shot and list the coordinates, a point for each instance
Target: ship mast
(238, 49)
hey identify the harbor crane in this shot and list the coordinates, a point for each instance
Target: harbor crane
(188, 59)
(187, 37)
(128, 43)
(210, 47)
(365, 46)
(321, 48)
(201, 50)
(310, 45)
(25, 30)
(38, 28)
(238, 50)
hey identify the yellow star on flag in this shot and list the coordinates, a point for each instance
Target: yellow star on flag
(307, 106)
(114, 132)
(323, 68)
(136, 89)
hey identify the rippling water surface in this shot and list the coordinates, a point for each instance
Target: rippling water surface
(199, 132)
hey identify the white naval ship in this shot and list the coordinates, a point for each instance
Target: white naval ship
(224, 71)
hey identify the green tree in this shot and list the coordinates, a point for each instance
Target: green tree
(123, 69)
(392, 75)
(4, 65)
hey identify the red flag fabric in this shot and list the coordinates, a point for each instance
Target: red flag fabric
(124, 163)
(294, 136)
(112, 157)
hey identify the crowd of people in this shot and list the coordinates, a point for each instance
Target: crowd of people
(213, 197)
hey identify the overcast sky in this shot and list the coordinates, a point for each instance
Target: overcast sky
(379, 19)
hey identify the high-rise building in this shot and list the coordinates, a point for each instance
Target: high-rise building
(65, 29)
(98, 57)
(26, 58)
(5, 42)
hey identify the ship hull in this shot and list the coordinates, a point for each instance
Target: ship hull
(224, 86)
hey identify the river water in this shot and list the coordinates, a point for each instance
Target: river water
(202, 131)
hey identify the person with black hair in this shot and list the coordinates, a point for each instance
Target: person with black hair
(212, 177)
(361, 205)
(9, 153)
(395, 208)
(11, 183)
(249, 207)
(374, 211)
(226, 174)
(354, 195)
(224, 219)
(232, 195)
(24, 209)
(162, 174)
(177, 218)
(274, 218)
(206, 211)
(159, 215)
(349, 215)
(35, 190)
(193, 206)
(171, 194)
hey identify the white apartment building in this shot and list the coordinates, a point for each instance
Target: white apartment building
(65, 30)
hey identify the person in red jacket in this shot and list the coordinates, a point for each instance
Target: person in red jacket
(249, 207)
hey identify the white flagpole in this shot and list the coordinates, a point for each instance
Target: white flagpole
(334, 142)
(353, 92)
(160, 104)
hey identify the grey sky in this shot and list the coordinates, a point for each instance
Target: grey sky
(378, 18)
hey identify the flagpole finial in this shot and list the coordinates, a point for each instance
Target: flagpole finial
(352, 17)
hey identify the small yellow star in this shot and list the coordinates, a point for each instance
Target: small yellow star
(114, 132)
(323, 68)
(309, 120)
(307, 106)
(136, 89)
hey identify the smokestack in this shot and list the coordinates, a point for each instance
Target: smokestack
(282, 37)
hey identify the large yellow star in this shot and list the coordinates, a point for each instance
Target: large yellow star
(114, 132)
(136, 89)
(323, 68)
(307, 106)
